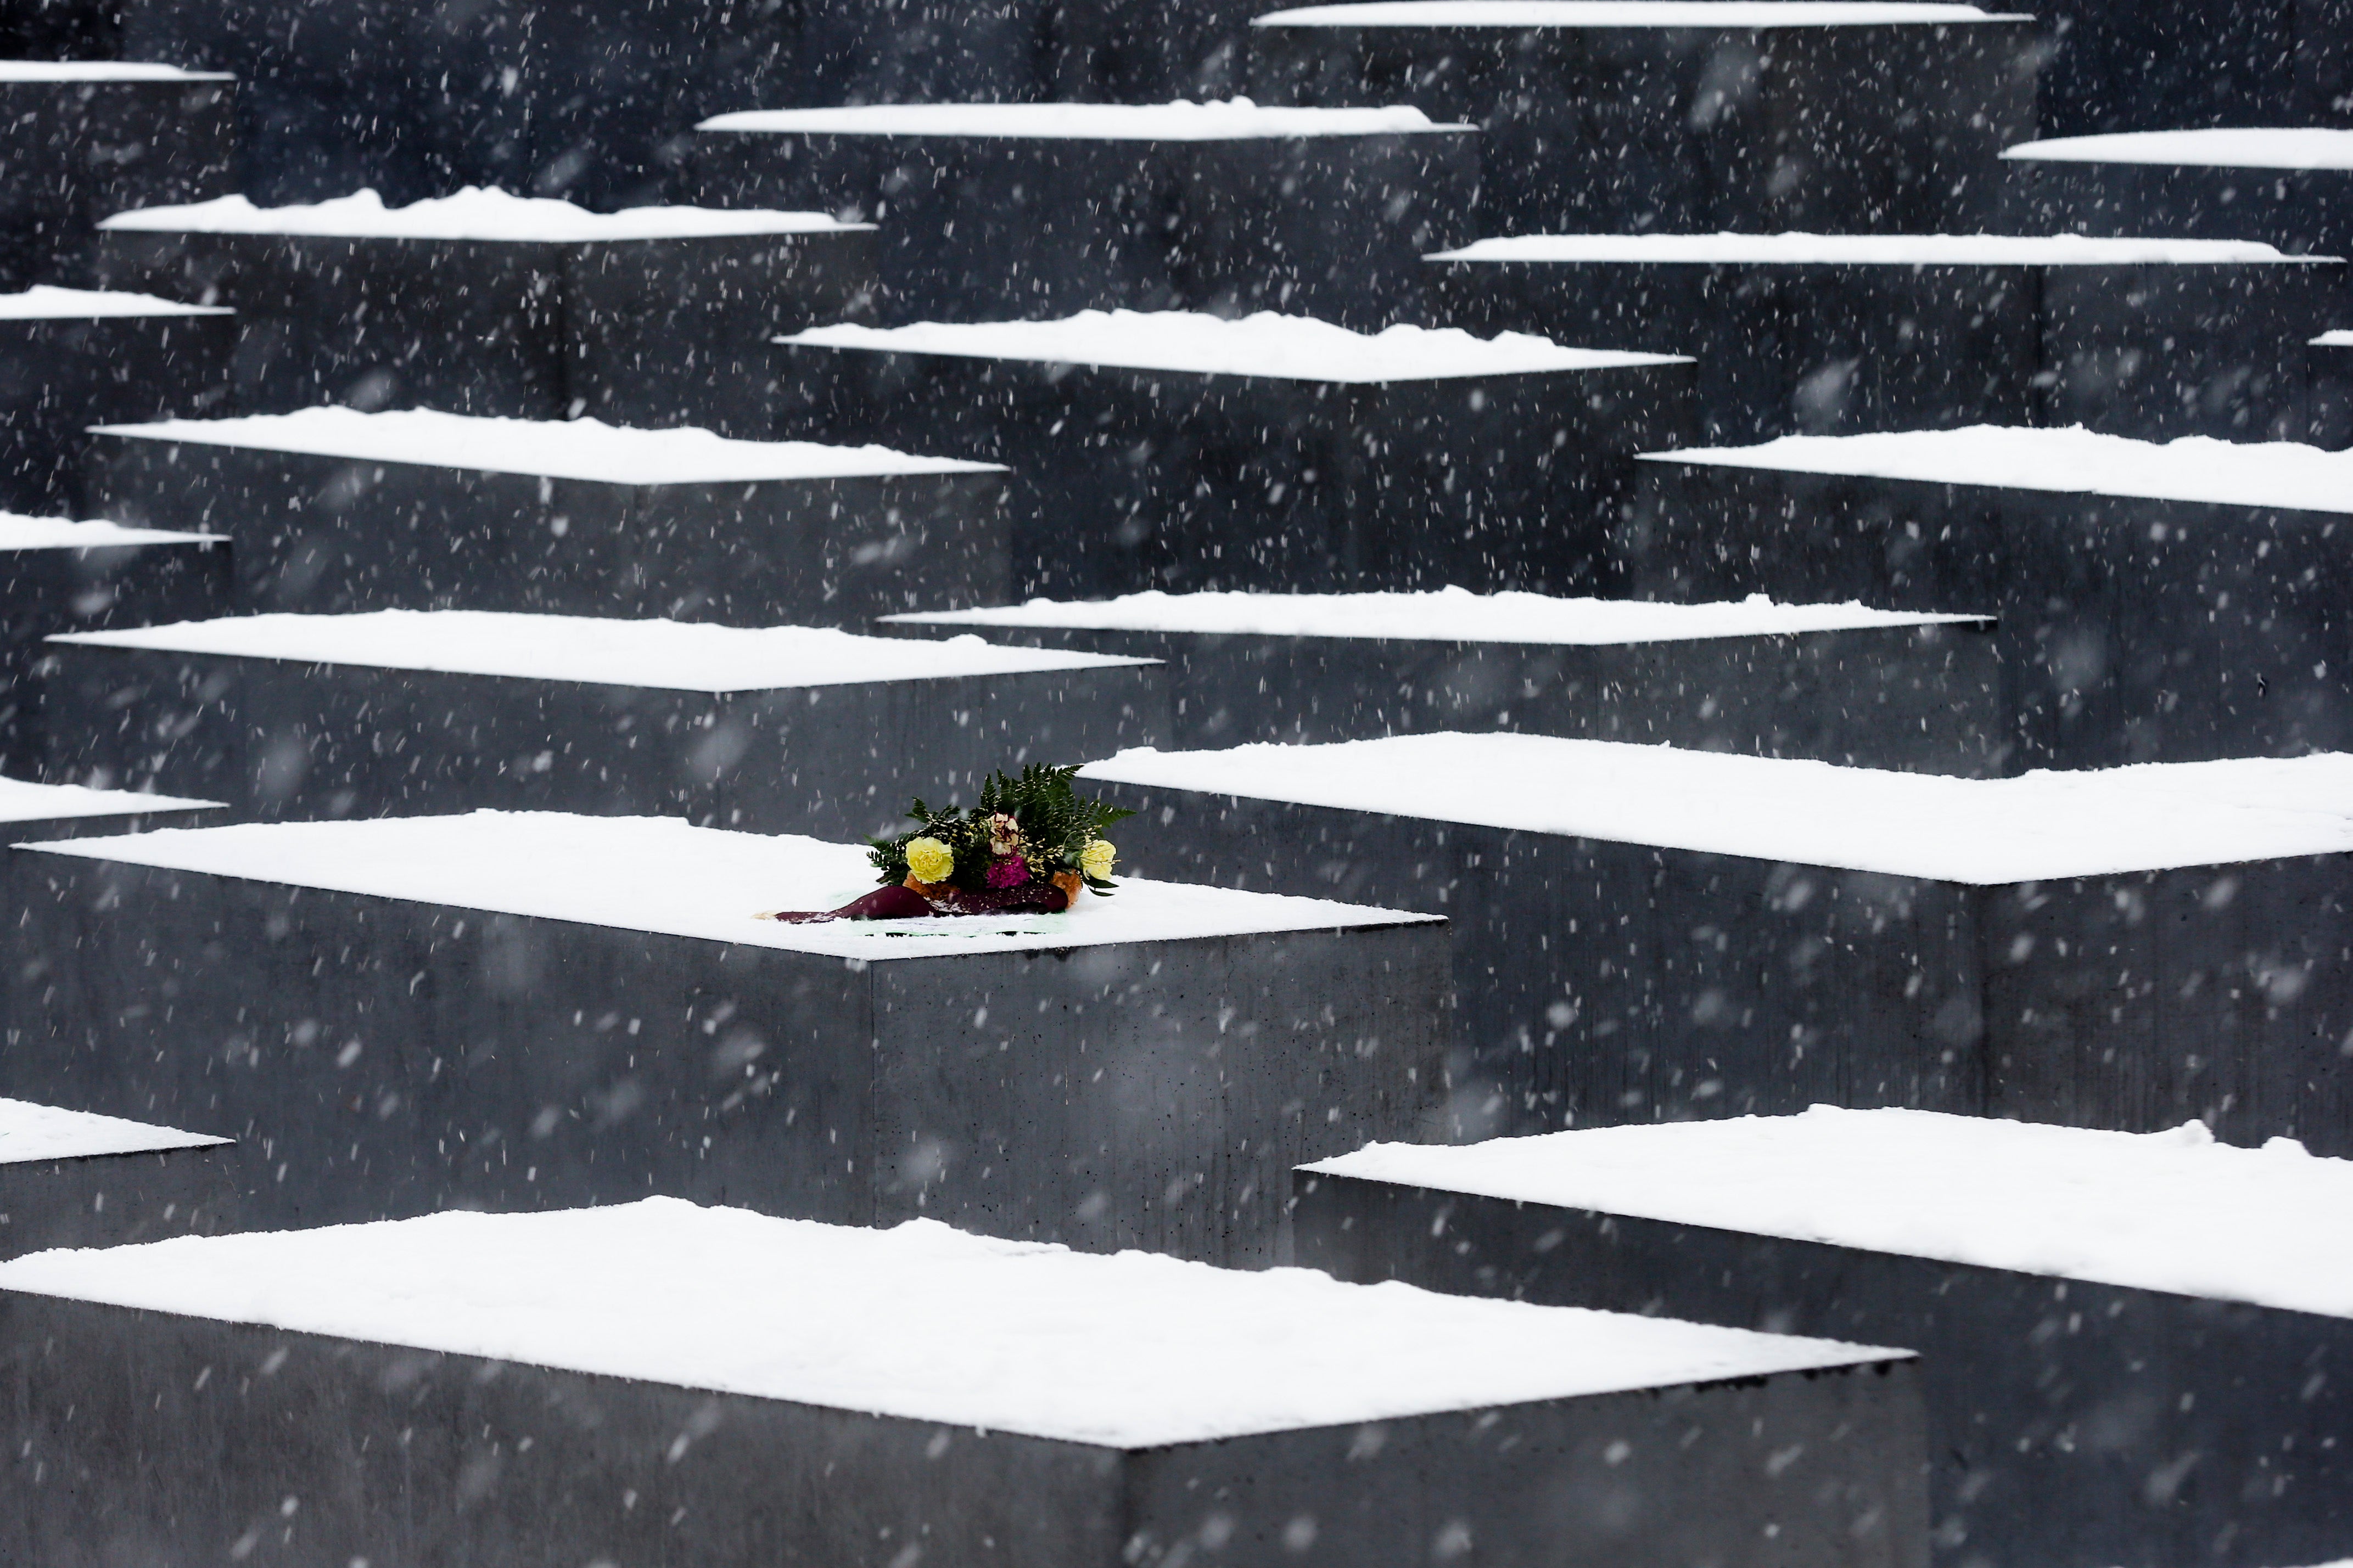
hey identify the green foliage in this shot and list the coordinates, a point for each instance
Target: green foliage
(1056, 825)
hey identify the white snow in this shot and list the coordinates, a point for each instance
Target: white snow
(1295, 348)
(2165, 1211)
(1624, 14)
(921, 1322)
(553, 448)
(473, 213)
(19, 532)
(1979, 831)
(23, 801)
(2072, 460)
(1228, 120)
(660, 875)
(44, 302)
(1445, 615)
(1865, 249)
(674, 656)
(2337, 339)
(30, 1132)
(101, 70)
(2299, 147)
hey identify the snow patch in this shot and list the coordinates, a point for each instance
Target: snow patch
(673, 655)
(101, 70)
(1865, 249)
(57, 533)
(1228, 120)
(22, 801)
(2300, 147)
(2072, 460)
(2338, 340)
(920, 1322)
(1446, 615)
(474, 213)
(1984, 832)
(1627, 14)
(30, 1132)
(1291, 348)
(661, 874)
(43, 302)
(2163, 1211)
(552, 449)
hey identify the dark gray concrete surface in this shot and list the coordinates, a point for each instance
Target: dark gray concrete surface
(115, 1200)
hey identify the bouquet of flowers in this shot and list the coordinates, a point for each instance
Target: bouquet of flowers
(1032, 845)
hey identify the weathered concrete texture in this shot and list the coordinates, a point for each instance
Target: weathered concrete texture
(1924, 698)
(2305, 212)
(319, 534)
(2068, 1422)
(76, 152)
(1623, 130)
(633, 332)
(1011, 51)
(2131, 630)
(2129, 65)
(2332, 394)
(44, 592)
(984, 229)
(1604, 983)
(59, 375)
(393, 1059)
(61, 30)
(2151, 351)
(114, 1200)
(1126, 479)
(403, 1455)
(287, 738)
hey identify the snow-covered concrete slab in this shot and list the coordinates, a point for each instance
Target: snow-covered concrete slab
(1053, 208)
(1242, 442)
(652, 314)
(2051, 1276)
(586, 449)
(1864, 249)
(1291, 348)
(46, 302)
(20, 533)
(1977, 832)
(1841, 682)
(798, 728)
(1229, 119)
(71, 1179)
(2072, 461)
(473, 213)
(24, 802)
(2334, 340)
(2278, 147)
(336, 509)
(1676, 14)
(1646, 933)
(982, 1396)
(1140, 1071)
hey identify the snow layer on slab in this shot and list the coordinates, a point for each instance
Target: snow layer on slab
(2072, 460)
(673, 655)
(43, 302)
(1979, 831)
(101, 70)
(1291, 348)
(23, 801)
(1446, 615)
(660, 875)
(1864, 249)
(553, 448)
(473, 213)
(2300, 147)
(30, 1132)
(2163, 1211)
(1624, 14)
(1226, 120)
(2341, 339)
(57, 533)
(919, 1322)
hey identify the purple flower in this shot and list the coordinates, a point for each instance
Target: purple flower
(1006, 872)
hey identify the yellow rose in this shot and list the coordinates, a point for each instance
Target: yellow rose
(930, 860)
(1097, 858)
